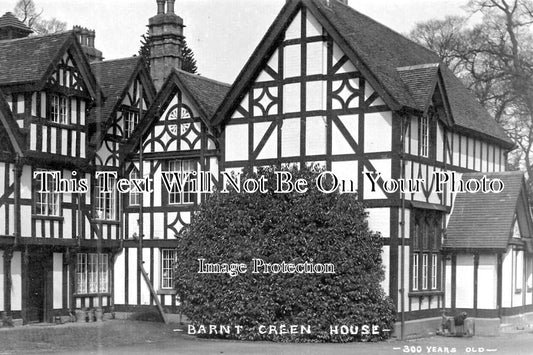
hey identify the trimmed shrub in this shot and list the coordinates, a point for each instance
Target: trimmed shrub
(312, 227)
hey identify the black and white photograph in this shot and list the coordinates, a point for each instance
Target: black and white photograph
(266, 177)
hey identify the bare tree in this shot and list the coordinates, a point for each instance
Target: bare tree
(26, 11)
(494, 59)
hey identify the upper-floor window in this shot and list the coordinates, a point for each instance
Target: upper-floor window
(46, 199)
(105, 206)
(182, 192)
(59, 109)
(131, 119)
(135, 195)
(423, 142)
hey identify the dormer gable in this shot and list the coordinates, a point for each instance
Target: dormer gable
(129, 92)
(179, 119)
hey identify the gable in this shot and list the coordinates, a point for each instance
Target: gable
(176, 121)
(310, 82)
(67, 75)
(29, 63)
(10, 137)
(487, 221)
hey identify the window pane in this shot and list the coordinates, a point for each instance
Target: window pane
(103, 273)
(434, 271)
(168, 257)
(92, 266)
(81, 274)
(187, 193)
(135, 195)
(424, 271)
(415, 271)
(105, 201)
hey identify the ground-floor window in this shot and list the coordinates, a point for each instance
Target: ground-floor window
(425, 244)
(92, 273)
(168, 258)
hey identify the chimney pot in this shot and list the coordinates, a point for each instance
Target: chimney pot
(170, 6)
(160, 7)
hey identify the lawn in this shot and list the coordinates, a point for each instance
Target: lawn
(82, 336)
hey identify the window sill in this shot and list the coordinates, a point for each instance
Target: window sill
(425, 293)
(106, 221)
(167, 291)
(105, 294)
(48, 218)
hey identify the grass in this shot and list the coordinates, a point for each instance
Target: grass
(81, 336)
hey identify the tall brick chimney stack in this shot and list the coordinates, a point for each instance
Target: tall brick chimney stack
(166, 42)
(86, 39)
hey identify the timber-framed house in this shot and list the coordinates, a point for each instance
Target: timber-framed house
(326, 85)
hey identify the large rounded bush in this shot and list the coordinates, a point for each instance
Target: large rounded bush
(312, 227)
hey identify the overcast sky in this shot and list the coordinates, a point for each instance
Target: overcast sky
(222, 33)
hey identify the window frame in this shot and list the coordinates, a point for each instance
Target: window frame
(52, 199)
(168, 258)
(104, 201)
(134, 197)
(425, 249)
(423, 136)
(131, 119)
(59, 109)
(92, 273)
(176, 198)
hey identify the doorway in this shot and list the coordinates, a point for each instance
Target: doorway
(39, 286)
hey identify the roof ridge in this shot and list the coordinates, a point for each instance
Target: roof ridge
(181, 71)
(36, 37)
(116, 60)
(419, 66)
(382, 25)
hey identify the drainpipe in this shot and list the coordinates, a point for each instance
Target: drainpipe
(17, 174)
(402, 230)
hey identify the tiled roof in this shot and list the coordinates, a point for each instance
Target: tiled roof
(113, 77)
(26, 60)
(9, 128)
(484, 220)
(420, 80)
(207, 92)
(383, 51)
(9, 20)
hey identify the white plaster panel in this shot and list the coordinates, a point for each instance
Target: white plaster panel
(119, 270)
(315, 99)
(16, 279)
(292, 61)
(1, 279)
(339, 143)
(379, 220)
(378, 132)
(132, 276)
(313, 27)
(315, 58)
(290, 137)
(465, 283)
(487, 282)
(315, 136)
(236, 142)
(291, 98)
(295, 28)
(57, 277)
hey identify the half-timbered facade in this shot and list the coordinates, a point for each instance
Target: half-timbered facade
(175, 137)
(48, 89)
(326, 85)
